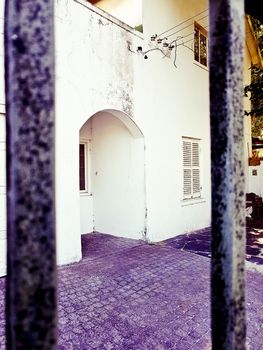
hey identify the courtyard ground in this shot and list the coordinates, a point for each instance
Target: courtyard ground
(126, 294)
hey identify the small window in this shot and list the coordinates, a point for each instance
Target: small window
(191, 168)
(200, 45)
(83, 167)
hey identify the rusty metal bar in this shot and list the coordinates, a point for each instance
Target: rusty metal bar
(228, 203)
(31, 268)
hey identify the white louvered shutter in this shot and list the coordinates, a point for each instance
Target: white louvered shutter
(195, 170)
(191, 169)
(187, 164)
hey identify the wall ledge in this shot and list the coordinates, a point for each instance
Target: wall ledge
(109, 17)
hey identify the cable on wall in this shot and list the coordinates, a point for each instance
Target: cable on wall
(166, 47)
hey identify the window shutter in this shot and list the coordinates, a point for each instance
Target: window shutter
(196, 169)
(187, 162)
(187, 183)
(195, 154)
(187, 154)
(191, 169)
(196, 183)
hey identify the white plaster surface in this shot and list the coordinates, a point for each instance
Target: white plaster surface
(117, 178)
(128, 11)
(256, 181)
(115, 201)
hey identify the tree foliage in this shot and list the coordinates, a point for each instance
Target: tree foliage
(255, 90)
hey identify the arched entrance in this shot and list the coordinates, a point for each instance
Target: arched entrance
(112, 176)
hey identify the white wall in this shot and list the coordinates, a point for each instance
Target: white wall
(94, 72)
(256, 180)
(128, 11)
(97, 71)
(86, 213)
(117, 178)
(115, 199)
(175, 104)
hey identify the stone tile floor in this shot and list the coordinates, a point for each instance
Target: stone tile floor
(198, 242)
(128, 295)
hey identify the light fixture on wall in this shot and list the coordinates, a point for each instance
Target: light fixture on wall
(167, 48)
(153, 37)
(159, 44)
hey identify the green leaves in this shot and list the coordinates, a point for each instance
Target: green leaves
(254, 91)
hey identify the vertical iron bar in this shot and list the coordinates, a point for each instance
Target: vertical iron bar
(228, 203)
(31, 268)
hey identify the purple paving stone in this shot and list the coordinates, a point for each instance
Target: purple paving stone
(197, 245)
(178, 310)
(256, 259)
(253, 250)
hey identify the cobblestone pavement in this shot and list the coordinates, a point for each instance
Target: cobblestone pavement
(128, 295)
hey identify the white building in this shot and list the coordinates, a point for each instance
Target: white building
(132, 134)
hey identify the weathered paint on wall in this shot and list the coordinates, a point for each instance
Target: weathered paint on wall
(128, 11)
(93, 74)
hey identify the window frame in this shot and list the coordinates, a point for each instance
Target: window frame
(201, 31)
(87, 166)
(191, 168)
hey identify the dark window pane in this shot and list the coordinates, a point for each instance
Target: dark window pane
(200, 45)
(196, 44)
(82, 165)
(203, 49)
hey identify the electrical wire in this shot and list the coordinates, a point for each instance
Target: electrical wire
(185, 42)
(154, 49)
(185, 36)
(167, 36)
(168, 30)
(175, 41)
(175, 55)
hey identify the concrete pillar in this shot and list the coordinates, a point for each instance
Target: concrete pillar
(31, 271)
(228, 199)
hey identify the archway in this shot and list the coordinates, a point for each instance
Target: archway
(112, 176)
